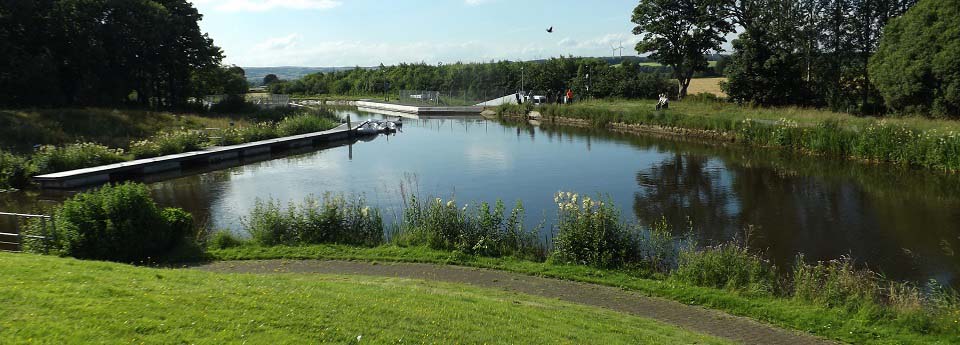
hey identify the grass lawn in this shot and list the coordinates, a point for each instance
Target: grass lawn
(833, 323)
(65, 301)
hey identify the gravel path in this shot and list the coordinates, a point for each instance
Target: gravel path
(693, 318)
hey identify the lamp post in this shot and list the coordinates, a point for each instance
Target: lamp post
(521, 78)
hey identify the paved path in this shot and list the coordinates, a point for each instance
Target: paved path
(692, 318)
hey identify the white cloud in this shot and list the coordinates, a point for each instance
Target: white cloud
(301, 50)
(475, 2)
(568, 42)
(603, 44)
(266, 5)
(279, 43)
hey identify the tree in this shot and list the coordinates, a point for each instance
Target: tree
(759, 74)
(917, 67)
(679, 33)
(100, 52)
(270, 79)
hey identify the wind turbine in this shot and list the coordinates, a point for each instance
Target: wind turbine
(621, 50)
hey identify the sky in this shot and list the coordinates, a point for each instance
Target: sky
(328, 33)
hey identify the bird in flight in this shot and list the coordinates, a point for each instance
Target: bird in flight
(550, 30)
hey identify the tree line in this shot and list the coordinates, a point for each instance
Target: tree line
(821, 53)
(593, 77)
(108, 52)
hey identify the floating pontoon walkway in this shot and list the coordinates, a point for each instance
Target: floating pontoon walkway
(418, 110)
(141, 167)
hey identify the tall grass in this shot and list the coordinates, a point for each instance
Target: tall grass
(50, 159)
(168, 143)
(303, 124)
(479, 230)
(246, 134)
(728, 266)
(330, 219)
(929, 144)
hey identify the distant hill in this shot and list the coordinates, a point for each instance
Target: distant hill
(255, 74)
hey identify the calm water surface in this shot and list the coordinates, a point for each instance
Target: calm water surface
(903, 222)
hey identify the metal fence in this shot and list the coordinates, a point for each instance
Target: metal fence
(13, 241)
(419, 97)
(448, 97)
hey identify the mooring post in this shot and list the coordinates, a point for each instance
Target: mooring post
(349, 127)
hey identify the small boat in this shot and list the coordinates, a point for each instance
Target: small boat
(368, 128)
(389, 127)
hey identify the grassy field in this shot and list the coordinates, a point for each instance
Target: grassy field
(706, 85)
(835, 323)
(50, 300)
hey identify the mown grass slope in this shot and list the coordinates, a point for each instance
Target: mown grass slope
(66, 301)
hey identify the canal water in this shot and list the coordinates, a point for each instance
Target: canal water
(902, 222)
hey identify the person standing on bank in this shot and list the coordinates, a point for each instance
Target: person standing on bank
(569, 96)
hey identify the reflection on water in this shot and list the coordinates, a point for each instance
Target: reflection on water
(901, 221)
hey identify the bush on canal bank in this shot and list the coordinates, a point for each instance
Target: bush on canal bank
(15, 171)
(116, 223)
(50, 159)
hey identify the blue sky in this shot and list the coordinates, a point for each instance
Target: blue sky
(258, 33)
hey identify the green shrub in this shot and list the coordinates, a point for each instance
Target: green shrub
(168, 143)
(331, 219)
(480, 230)
(223, 240)
(117, 223)
(15, 171)
(233, 104)
(727, 266)
(51, 159)
(303, 124)
(590, 233)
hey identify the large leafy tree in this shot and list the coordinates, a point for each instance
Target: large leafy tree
(917, 67)
(679, 34)
(808, 52)
(101, 52)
